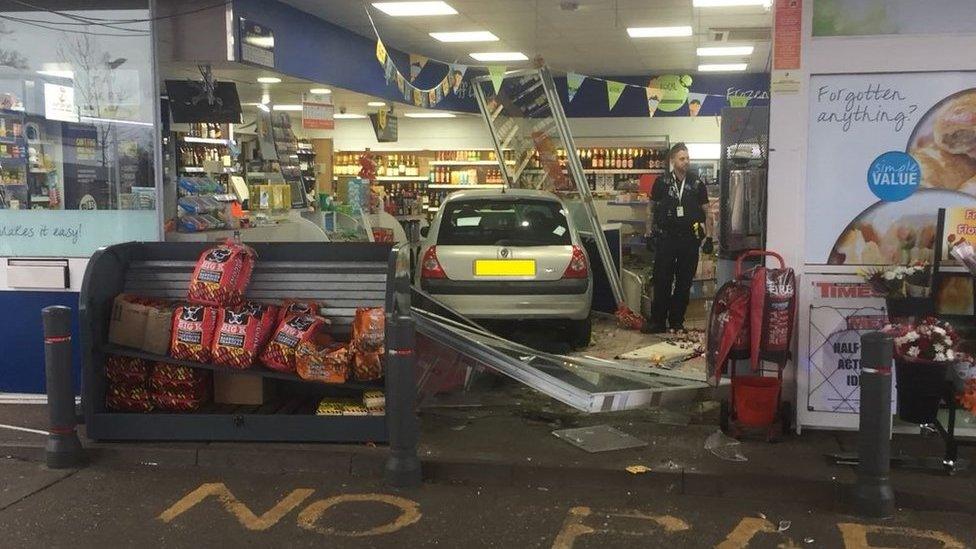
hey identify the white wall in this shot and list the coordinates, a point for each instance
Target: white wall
(469, 132)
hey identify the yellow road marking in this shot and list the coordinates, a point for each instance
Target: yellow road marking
(856, 536)
(409, 514)
(244, 515)
(747, 529)
(574, 528)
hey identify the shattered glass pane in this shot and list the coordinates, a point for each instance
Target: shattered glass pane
(724, 446)
(599, 438)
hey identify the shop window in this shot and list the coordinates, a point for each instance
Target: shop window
(77, 129)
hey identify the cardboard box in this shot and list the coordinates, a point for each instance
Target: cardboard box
(159, 328)
(127, 326)
(240, 389)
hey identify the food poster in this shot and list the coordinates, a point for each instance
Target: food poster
(841, 309)
(886, 152)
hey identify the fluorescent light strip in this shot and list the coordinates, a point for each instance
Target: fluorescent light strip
(500, 56)
(269, 80)
(414, 9)
(287, 108)
(320, 91)
(730, 3)
(430, 115)
(348, 116)
(720, 51)
(114, 121)
(468, 36)
(659, 32)
(720, 67)
(376, 104)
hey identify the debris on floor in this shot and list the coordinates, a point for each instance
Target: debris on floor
(784, 525)
(724, 447)
(638, 469)
(599, 438)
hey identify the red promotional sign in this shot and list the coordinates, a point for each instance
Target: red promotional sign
(318, 114)
(787, 34)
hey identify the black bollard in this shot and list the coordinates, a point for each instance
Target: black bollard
(873, 494)
(403, 466)
(63, 448)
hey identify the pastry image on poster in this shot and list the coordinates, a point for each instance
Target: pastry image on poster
(944, 143)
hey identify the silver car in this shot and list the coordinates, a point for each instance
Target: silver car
(511, 255)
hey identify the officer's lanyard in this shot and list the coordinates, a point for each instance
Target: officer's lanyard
(680, 190)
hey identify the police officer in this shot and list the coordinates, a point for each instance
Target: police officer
(679, 201)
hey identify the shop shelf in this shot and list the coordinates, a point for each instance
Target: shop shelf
(12, 140)
(410, 217)
(402, 178)
(256, 370)
(468, 162)
(629, 203)
(459, 187)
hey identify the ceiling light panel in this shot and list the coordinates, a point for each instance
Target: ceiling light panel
(269, 80)
(500, 56)
(723, 67)
(467, 36)
(659, 32)
(730, 3)
(721, 51)
(414, 9)
(320, 91)
(348, 115)
(433, 114)
(376, 104)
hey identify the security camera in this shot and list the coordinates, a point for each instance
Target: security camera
(342, 110)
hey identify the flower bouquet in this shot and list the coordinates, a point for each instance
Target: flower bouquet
(906, 289)
(923, 353)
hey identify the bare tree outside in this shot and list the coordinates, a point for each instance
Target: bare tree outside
(8, 57)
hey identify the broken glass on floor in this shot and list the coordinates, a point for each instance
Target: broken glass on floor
(599, 438)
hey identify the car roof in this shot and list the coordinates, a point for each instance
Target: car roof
(483, 194)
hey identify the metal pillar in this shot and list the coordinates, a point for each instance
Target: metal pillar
(403, 466)
(63, 448)
(873, 494)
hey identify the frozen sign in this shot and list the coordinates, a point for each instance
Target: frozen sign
(886, 152)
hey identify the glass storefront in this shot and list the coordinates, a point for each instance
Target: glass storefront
(77, 128)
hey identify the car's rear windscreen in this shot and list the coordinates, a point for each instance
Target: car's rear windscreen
(493, 222)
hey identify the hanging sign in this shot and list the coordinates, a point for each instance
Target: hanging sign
(385, 126)
(257, 44)
(318, 112)
(573, 83)
(738, 100)
(381, 54)
(497, 73)
(787, 37)
(614, 90)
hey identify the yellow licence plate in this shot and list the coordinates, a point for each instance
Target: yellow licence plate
(504, 267)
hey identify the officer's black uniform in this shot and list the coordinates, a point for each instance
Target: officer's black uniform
(675, 211)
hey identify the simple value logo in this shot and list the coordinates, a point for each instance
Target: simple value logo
(894, 176)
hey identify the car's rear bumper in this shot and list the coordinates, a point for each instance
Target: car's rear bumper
(535, 306)
(566, 286)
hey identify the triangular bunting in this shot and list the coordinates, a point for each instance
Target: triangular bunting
(388, 70)
(497, 73)
(653, 100)
(418, 97)
(573, 83)
(380, 52)
(739, 100)
(432, 96)
(445, 85)
(401, 84)
(695, 103)
(456, 76)
(417, 63)
(614, 89)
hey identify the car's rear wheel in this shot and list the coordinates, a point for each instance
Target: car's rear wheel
(580, 332)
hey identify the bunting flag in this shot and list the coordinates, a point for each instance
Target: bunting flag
(614, 89)
(497, 73)
(417, 63)
(738, 100)
(653, 100)
(695, 102)
(418, 98)
(388, 69)
(446, 85)
(381, 55)
(573, 83)
(399, 82)
(432, 96)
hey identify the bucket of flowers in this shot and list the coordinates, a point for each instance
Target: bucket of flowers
(906, 289)
(923, 354)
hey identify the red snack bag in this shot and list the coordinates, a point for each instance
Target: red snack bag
(368, 366)
(128, 398)
(326, 365)
(193, 330)
(368, 329)
(236, 341)
(297, 307)
(122, 370)
(179, 401)
(170, 378)
(222, 274)
(268, 320)
(280, 352)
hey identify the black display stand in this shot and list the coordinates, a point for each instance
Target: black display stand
(343, 276)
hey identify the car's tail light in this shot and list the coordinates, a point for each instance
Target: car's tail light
(577, 265)
(430, 267)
